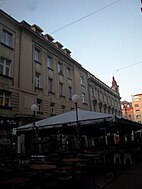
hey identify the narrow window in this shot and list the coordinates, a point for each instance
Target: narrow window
(37, 80)
(37, 55)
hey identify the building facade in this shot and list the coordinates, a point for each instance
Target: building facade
(127, 110)
(35, 69)
(137, 107)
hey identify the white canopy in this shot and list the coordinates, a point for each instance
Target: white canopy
(68, 118)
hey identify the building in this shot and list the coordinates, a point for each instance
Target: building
(127, 110)
(35, 69)
(137, 107)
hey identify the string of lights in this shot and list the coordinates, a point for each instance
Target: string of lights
(122, 68)
(82, 18)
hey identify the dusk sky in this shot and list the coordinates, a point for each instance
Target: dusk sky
(104, 36)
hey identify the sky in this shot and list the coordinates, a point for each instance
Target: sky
(104, 36)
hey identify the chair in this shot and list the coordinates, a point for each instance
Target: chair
(117, 158)
(128, 158)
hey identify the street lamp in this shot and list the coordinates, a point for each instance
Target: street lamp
(75, 99)
(34, 109)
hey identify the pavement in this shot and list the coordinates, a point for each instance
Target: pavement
(127, 178)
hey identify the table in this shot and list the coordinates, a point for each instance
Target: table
(18, 181)
(41, 168)
(73, 160)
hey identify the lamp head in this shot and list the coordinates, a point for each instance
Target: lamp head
(34, 108)
(75, 98)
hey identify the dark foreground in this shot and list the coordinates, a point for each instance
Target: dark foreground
(128, 177)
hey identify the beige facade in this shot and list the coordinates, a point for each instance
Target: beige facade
(137, 107)
(36, 69)
(127, 110)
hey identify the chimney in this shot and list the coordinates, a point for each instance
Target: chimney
(59, 45)
(67, 51)
(49, 37)
(37, 29)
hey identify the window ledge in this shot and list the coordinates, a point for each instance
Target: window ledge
(38, 88)
(51, 92)
(7, 77)
(10, 47)
(38, 62)
(62, 96)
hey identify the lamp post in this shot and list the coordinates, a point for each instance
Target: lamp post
(34, 109)
(75, 99)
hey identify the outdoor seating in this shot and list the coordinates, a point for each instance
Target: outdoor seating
(128, 158)
(63, 173)
(117, 158)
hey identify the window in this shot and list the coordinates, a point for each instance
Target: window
(68, 72)
(39, 104)
(60, 68)
(93, 92)
(52, 108)
(83, 97)
(138, 116)
(7, 38)
(81, 80)
(63, 108)
(5, 66)
(137, 110)
(49, 61)
(37, 55)
(70, 92)
(61, 93)
(136, 105)
(50, 85)
(37, 80)
(4, 99)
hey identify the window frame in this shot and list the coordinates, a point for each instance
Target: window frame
(37, 80)
(50, 85)
(60, 68)
(49, 61)
(5, 35)
(3, 64)
(81, 80)
(83, 97)
(4, 95)
(61, 89)
(37, 55)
